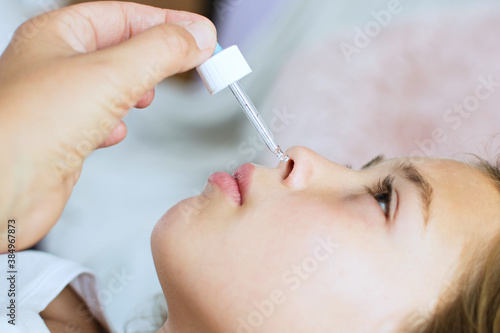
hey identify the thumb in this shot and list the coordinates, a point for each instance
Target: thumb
(137, 65)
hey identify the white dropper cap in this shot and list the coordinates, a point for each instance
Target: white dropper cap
(224, 68)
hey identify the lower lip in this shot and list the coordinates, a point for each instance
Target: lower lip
(228, 185)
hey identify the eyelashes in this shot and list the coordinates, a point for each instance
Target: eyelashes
(382, 193)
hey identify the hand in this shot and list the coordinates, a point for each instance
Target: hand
(66, 80)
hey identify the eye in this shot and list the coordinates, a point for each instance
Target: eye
(384, 200)
(382, 193)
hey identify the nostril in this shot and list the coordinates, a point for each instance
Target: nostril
(288, 169)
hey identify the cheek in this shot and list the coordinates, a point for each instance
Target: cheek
(311, 248)
(259, 247)
(299, 230)
(181, 236)
(354, 284)
(364, 210)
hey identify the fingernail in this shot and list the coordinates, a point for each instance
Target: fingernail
(203, 33)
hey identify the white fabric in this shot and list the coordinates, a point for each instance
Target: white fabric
(40, 278)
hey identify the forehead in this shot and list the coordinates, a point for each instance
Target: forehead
(460, 180)
(457, 181)
(441, 171)
(466, 201)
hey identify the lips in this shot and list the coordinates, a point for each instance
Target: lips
(243, 177)
(235, 187)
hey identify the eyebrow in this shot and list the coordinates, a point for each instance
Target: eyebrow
(408, 171)
(377, 160)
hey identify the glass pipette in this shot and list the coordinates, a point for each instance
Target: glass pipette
(225, 69)
(260, 126)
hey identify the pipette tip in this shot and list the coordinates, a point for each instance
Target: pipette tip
(282, 156)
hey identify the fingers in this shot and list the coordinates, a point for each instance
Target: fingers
(136, 66)
(105, 24)
(146, 100)
(88, 27)
(102, 59)
(116, 136)
(138, 46)
(168, 49)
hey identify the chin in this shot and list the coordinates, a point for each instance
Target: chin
(181, 213)
(174, 224)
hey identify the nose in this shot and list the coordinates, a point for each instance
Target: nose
(307, 167)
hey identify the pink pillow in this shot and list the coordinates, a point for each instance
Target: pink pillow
(427, 85)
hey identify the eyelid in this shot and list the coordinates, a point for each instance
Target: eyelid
(394, 205)
(383, 185)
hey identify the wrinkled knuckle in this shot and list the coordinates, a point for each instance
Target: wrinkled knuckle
(35, 24)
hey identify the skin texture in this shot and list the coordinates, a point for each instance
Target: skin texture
(220, 264)
(66, 81)
(193, 6)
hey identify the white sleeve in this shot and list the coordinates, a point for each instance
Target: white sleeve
(39, 278)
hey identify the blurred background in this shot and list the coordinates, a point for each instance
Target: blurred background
(348, 78)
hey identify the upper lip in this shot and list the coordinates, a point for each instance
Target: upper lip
(243, 176)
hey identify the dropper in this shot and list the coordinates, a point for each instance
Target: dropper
(224, 69)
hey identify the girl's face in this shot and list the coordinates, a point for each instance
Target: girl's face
(312, 246)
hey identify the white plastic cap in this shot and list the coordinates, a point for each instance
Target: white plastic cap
(223, 69)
